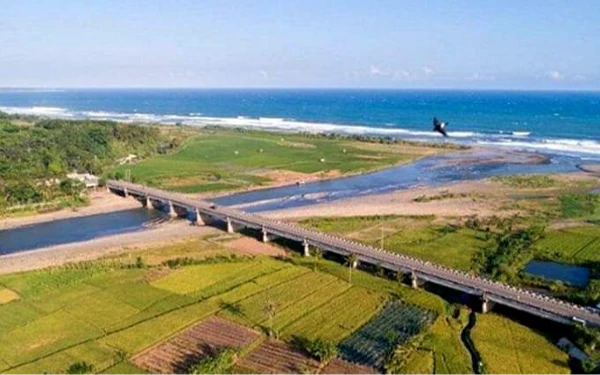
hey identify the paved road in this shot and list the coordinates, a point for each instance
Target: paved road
(490, 290)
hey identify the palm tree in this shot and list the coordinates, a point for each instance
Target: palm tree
(351, 260)
(317, 254)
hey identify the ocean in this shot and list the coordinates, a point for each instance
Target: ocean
(565, 123)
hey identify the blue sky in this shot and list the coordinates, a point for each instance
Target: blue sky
(534, 44)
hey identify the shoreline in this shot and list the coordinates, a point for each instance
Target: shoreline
(101, 202)
(57, 255)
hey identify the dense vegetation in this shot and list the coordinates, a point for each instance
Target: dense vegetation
(36, 155)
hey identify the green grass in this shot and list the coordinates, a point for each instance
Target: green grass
(124, 367)
(415, 237)
(572, 245)
(44, 336)
(509, 348)
(193, 278)
(443, 340)
(532, 181)
(224, 159)
(419, 362)
(334, 321)
(580, 206)
(99, 313)
(251, 311)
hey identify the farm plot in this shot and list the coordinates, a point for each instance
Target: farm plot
(510, 348)
(394, 325)
(203, 339)
(277, 357)
(339, 366)
(7, 295)
(338, 318)
(251, 311)
(564, 243)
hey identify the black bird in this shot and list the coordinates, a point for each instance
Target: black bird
(440, 127)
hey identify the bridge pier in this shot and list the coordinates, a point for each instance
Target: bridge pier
(125, 192)
(199, 220)
(485, 305)
(148, 203)
(172, 213)
(265, 235)
(306, 248)
(414, 281)
(229, 225)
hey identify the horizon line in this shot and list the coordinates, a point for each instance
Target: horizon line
(279, 88)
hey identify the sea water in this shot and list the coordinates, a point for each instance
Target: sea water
(566, 123)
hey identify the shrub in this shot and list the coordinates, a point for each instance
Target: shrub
(80, 368)
(220, 363)
(319, 349)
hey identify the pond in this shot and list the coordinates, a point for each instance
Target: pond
(573, 275)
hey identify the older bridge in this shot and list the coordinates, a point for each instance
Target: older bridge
(488, 290)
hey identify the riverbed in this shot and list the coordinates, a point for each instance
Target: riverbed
(432, 171)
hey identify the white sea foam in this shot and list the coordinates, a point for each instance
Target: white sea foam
(515, 139)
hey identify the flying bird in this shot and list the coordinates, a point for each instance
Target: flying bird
(440, 127)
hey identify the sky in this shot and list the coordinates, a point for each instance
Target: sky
(490, 44)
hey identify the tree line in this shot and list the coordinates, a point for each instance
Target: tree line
(36, 154)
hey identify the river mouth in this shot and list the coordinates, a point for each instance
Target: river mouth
(76, 229)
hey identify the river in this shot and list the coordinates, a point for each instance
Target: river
(431, 171)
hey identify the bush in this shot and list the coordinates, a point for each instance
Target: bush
(319, 349)
(220, 363)
(80, 368)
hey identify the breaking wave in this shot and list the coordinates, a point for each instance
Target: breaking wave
(515, 139)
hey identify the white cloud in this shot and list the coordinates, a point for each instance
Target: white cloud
(264, 74)
(479, 77)
(376, 71)
(580, 77)
(555, 75)
(428, 70)
(402, 74)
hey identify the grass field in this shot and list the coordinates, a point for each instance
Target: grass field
(417, 237)
(572, 245)
(228, 159)
(509, 348)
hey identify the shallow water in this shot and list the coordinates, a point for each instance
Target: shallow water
(574, 275)
(431, 171)
(75, 229)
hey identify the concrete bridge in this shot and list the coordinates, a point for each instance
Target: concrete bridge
(204, 212)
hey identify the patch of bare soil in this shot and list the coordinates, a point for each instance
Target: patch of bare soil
(339, 366)
(281, 177)
(277, 357)
(176, 355)
(248, 245)
(468, 198)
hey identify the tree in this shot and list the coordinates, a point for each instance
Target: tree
(220, 363)
(270, 310)
(80, 368)
(351, 261)
(317, 254)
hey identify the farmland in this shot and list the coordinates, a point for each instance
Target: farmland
(393, 326)
(418, 237)
(510, 348)
(121, 317)
(221, 159)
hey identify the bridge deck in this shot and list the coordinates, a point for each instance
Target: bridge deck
(534, 303)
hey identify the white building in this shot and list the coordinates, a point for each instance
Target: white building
(89, 180)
